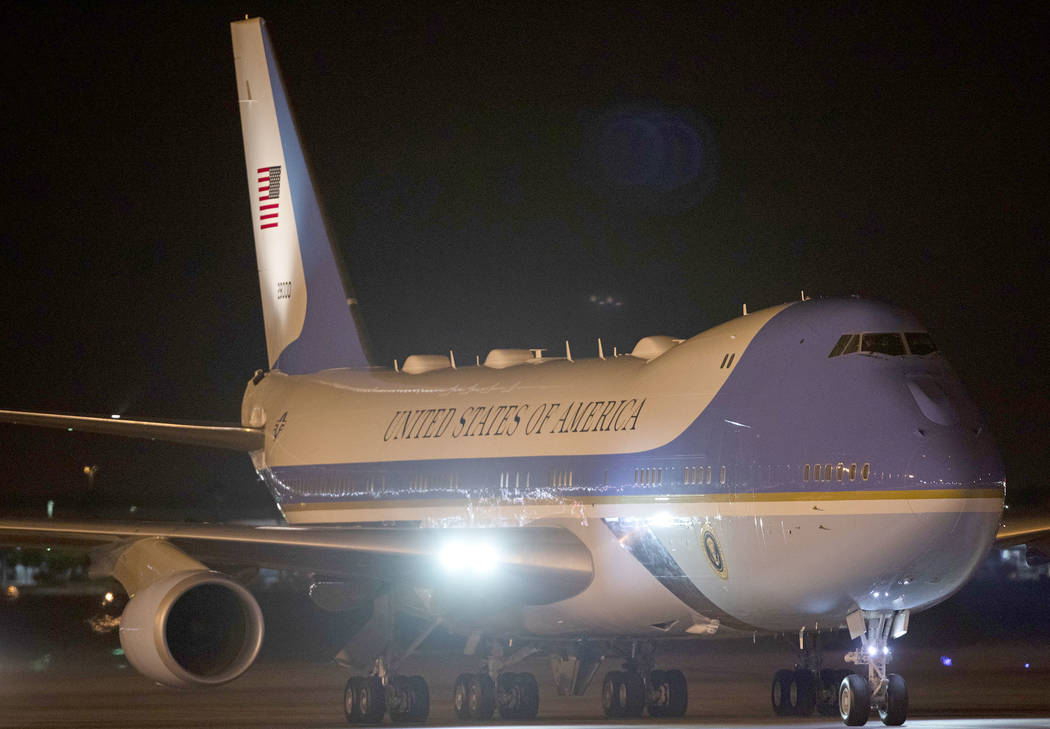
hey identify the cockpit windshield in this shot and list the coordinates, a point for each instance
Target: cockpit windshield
(894, 344)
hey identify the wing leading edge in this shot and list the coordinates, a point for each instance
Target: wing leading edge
(231, 437)
(528, 565)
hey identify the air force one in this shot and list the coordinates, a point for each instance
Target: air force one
(811, 467)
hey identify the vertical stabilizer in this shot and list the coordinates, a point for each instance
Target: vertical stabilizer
(306, 309)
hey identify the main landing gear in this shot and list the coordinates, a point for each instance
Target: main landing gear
(367, 699)
(639, 687)
(808, 687)
(476, 697)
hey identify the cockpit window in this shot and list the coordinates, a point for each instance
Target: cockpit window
(920, 343)
(882, 343)
(890, 343)
(847, 343)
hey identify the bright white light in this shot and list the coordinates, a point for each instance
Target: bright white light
(885, 650)
(108, 598)
(662, 519)
(469, 559)
(115, 416)
(872, 650)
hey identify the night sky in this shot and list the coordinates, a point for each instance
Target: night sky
(491, 176)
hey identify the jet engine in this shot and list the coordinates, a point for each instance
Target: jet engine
(192, 628)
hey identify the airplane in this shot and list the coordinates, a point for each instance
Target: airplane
(806, 468)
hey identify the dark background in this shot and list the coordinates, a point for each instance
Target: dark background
(486, 172)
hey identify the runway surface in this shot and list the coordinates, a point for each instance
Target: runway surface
(55, 672)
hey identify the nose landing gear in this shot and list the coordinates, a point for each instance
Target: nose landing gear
(885, 692)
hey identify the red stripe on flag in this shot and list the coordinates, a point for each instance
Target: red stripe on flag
(264, 179)
(264, 197)
(263, 169)
(264, 189)
(268, 207)
(268, 225)
(271, 215)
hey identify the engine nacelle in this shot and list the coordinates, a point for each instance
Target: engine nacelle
(193, 628)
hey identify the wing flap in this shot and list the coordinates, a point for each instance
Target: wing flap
(232, 437)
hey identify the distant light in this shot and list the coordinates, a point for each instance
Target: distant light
(1005, 554)
(69, 430)
(118, 651)
(115, 416)
(1027, 665)
(946, 661)
(108, 598)
(50, 508)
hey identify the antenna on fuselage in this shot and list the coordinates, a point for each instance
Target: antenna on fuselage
(601, 354)
(568, 352)
(396, 369)
(745, 309)
(452, 359)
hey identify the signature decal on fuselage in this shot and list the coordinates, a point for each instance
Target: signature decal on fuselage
(278, 427)
(516, 419)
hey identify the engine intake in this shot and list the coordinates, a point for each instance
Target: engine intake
(194, 628)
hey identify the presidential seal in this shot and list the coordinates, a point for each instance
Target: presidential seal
(715, 558)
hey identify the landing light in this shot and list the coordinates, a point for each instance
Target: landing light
(475, 558)
(872, 650)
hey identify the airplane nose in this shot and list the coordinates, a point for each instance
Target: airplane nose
(954, 458)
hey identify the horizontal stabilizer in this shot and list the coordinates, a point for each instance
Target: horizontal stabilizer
(232, 437)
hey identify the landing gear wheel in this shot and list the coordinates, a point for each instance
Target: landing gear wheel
(519, 696)
(623, 694)
(802, 692)
(828, 690)
(611, 686)
(459, 697)
(894, 710)
(370, 703)
(854, 700)
(668, 694)
(481, 697)
(350, 699)
(410, 696)
(780, 693)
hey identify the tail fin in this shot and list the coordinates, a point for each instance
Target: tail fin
(310, 324)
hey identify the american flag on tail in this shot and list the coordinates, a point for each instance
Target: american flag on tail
(269, 191)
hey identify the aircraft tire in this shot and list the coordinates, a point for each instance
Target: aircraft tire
(611, 695)
(519, 696)
(460, 702)
(854, 700)
(659, 693)
(803, 692)
(411, 695)
(632, 695)
(481, 697)
(370, 700)
(828, 690)
(677, 694)
(895, 709)
(780, 692)
(350, 699)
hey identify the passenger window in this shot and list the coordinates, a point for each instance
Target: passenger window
(805, 472)
(865, 471)
(827, 471)
(883, 343)
(853, 472)
(722, 478)
(920, 343)
(839, 470)
(708, 475)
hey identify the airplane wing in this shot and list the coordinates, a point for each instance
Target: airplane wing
(232, 437)
(1026, 528)
(529, 565)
